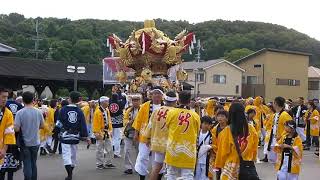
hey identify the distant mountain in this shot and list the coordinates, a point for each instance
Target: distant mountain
(84, 40)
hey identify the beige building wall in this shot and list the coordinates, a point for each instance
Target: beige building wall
(191, 80)
(286, 66)
(250, 70)
(281, 66)
(233, 79)
(208, 88)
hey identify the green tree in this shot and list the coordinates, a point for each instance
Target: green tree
(237, 54)
(95, 94)
(86, 51)
(84, 93)
(62, 92)
(51, 30)
(15, 18)
(61, 50)
(85, 39)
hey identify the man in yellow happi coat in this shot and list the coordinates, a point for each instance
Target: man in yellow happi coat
(261, 114)
(102, 128)
(312, 126)
(129, 144)
(50, 123)
(210, 106)
(183, 128)
(88, 111)
(249, 104)
(157, 134)
(140, 123)
(276, 128)
(6, 125)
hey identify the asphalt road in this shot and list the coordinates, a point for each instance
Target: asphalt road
(51, 168)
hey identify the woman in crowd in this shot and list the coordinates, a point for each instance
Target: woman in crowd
(239, 146)
(312, 126)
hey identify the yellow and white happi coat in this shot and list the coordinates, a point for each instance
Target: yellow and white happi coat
(227, 157)
(183, 128)
(157, 131)
(7, 135)
(314, 121)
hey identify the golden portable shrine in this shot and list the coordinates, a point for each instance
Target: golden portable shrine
(154, 57)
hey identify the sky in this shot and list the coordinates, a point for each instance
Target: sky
(301, 15)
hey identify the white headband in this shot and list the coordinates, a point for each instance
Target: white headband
(171, 99)
(157, 90)
(103, 99)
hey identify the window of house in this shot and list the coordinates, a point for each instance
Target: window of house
(237, 89)
(219, 79)
(288, 82)
(294, 82)
(200, 77)
(243, 79)
(252, 80)
(313, 85)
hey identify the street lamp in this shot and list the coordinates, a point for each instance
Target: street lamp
(76, 70)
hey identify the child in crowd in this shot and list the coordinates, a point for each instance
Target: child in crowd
(289, 149)
(203, 149)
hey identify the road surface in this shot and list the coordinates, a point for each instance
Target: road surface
(51, 168)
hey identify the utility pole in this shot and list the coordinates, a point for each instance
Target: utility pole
(198, 55)
(50, 53)
(196, 71)
(36, 40)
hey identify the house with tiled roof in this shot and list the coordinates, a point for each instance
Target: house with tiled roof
(274, 72)
(217, 77)
(313, 82)
(6, 50)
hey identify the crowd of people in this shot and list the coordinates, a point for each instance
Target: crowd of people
(165, 135)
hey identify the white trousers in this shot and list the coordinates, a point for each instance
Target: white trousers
(43, 144)
(158, 158)
(174, 173)
(49, 141)
(89, 129)
(69, 154)
(130, 154)
(201, 172)
(116, 140)
(142, 160)
(301, 133)
(104, 153)
(287, 176)
(263, 135)
(272, 156)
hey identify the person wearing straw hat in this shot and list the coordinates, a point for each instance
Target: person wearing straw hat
(157, 134)
(102, 129)
(290, 150)
(140, 123)
(129, 144)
